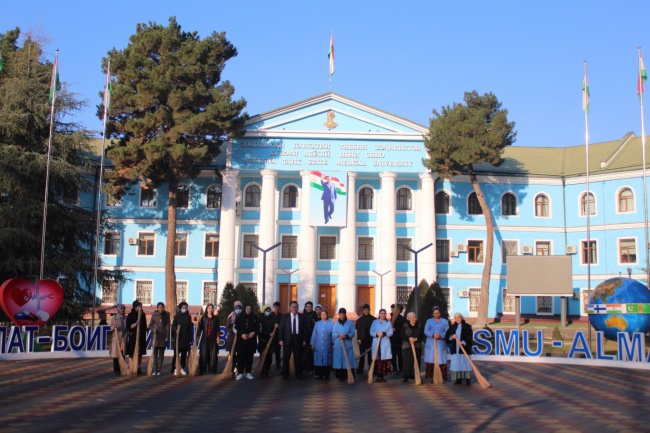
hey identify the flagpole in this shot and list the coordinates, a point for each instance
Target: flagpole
(585, 102)
(99, 189)
(645, 193)
(47, 169)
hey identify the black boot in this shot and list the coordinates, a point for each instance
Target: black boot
(468, 382)
(458, 382)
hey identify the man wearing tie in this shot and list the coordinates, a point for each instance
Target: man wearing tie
(292, 338)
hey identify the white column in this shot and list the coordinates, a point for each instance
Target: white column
(347, 287)
(387, 251)
(227, 226)
(267, 236)
(306, 246)
(425, 232)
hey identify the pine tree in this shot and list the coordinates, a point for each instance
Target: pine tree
(231, 294)
(422, 313)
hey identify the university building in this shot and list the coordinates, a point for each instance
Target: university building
(341, 186)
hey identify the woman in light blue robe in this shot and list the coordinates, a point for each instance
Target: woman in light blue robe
(460, 333)
(321, 344)
(435, 330)
(381, 330)
(343, 330)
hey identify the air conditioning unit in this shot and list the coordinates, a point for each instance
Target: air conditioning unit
(571, 249)
(461, 248)
(453, 254)
(463, 293)
(526, 249)
(133, 241)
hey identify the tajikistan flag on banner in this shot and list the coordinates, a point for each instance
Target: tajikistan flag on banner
(642, 76)
(317, 177)
(55, 84)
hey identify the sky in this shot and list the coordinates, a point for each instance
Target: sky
(406, 58)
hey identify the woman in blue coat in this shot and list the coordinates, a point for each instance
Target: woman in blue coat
(435, 330)
(343, 330)
(321, 344)
(381, 330)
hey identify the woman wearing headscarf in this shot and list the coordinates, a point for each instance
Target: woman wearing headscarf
(460, 333)
(267, 326)
(133, 328)
(159, 326)
(411, 333)
(435, 330)
(238, 308)
(321, 344)
(247, 326)
(381, 330)
(118, 328)
(208, 331)
(343, 330)
(182, 336)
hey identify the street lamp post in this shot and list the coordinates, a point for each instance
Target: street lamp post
(264, 251)
(381, 286)
(415, 253)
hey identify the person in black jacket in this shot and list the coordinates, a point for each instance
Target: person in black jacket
(267, 326)
(182, 334)
(247, 326)
(293, 329)
(208, 328)
(460, 333)
(312, 318)
(363, 336)
(132, 329)
(275, 346)
(398, 322)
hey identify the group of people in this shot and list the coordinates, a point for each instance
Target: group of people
(303, 341)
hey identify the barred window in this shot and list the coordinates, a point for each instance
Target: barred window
(508, 302)
(544, 304)
(110, 292)
(144, 291)
(210, 292)
(181, 291)
(403, 293)
(474, 298)
(509, 248)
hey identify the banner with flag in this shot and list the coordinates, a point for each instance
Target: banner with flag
(642, 77)
(328, 200)
(585, 92)
(55, 84)
(330, 56)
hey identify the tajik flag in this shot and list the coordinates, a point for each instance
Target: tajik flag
(331, 55)
(108, 90)
(317, 177)
(642, 77)
(55, 84)
(585, 92)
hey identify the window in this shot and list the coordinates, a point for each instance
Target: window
(290, 197)
(404, 255)
(542, 206)
(70, 196)
(473, 206)
(112, 243)
(442, 202)
(366, 196)
(183, 197)
(626, 200)
(251, 286)
(403, 293)
(366, 247)
(180, 248)
(404, 199)
(110, 292)
(111, 201)
(289, 247)
(327, 250)
(252, 196)
(146, 244)
(542, 248)
(509, 248)
(508, 302)
(587, 202)
(144, 291)
(181, 291)
(211, 245)
(474, 298)
(213, 197)
(442, 250)
(627, 250)
(249, 251)
(544, 304)
(148, 197)
(210, 292)
(589, 252)
(508, 204)
(475, 251)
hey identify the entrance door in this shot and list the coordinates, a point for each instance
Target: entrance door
(327, 298)
(365, 295)
(288, 293)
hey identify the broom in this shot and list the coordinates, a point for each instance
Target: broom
(153, 345)
(437, 373)
(193, 362)
(136, 351)
(124, 369)
(356, 358)
(227, 370)
(416, 365)
(264, 353)
(347, 364)
(481, 380)
(177, 371)
(371, 370)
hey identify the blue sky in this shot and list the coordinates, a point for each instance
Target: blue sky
(406, 57)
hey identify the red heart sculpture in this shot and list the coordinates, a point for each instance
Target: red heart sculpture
(29, 304)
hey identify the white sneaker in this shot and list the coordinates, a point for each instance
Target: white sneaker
(249, 376)
(239, 377)
(176, 372)
(183, 372)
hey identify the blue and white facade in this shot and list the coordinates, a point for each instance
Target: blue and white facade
(258, 193)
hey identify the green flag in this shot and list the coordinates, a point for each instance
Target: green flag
(55, 84)
(632, 308)
(108, 91)
(1, 65)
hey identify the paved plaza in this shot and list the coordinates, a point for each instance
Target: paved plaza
(83, 395)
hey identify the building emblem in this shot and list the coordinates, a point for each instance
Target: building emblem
(331, 124)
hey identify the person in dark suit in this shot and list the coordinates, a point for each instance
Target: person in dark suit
(292, 338)
(328, 197)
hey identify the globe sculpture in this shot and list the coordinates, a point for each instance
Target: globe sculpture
(619, 305)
